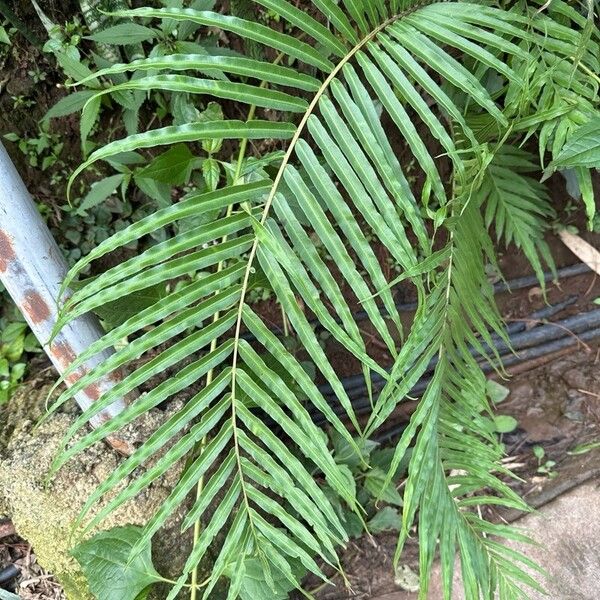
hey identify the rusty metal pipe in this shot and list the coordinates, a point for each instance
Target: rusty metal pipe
(32, 268)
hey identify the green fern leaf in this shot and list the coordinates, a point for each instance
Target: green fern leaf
(248, 433)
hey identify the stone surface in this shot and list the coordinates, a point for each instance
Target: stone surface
(568, 533)
(43, 514)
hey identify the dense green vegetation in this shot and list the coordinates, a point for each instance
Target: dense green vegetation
(293, 192)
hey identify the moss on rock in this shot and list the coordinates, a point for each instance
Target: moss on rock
(44, 514)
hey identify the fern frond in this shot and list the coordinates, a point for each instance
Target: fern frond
(340, 168)
(517, 205)
(455, 451)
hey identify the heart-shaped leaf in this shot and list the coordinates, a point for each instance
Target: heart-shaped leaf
(104, 560)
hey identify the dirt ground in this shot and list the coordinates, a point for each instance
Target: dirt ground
(33, 583)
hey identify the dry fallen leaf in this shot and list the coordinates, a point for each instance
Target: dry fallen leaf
(582, 250)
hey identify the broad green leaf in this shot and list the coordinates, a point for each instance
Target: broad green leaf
(211, 170)
(69, 104)
(505, 423)
(76, 69)
(158, 191)
(173, 166)
(104, 559)
(496, 392)
(538, 452)
(385, 519)
(124, 34)
(376, 484)
(99, 192)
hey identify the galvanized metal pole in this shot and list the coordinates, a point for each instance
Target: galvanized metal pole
(32, 268)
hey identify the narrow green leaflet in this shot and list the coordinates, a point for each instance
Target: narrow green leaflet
(191, 132)
(191, 205)
(238, 92)
(246, 29)
(247, 67)
(582, 148)
(124, 33)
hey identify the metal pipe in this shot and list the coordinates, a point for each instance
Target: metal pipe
(525, 345)
(357, 382)
(9, 572)
(528, 354)
(530, 280)
(510, 285)
(32, 268)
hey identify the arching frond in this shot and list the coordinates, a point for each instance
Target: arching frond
(517, 205)
(364, 75)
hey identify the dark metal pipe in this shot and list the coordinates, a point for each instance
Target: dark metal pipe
(358, 382)
(501, 286)
(9, 572)
(525, 345)
(566, 341)
(552, 330)
(539, 315)
(524, 356)
(530, 280)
